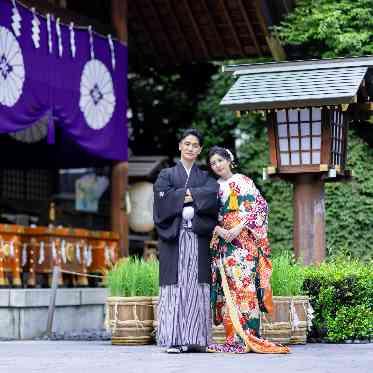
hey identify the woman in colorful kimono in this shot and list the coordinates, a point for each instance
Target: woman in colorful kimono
(241, 267)
(185, 214)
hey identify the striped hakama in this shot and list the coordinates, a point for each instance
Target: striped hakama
(184, 309)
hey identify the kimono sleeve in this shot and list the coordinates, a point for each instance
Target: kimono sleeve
(168, 201)
(253, 209)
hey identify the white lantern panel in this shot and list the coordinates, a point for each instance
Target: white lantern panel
(282, 130)
(284, 145)
(305, 115)
(306, 143)
(306, 158)
(315, 157)
(295, 158)
(294, 144)
(316, 128)
(305, 129)
(293, 116)
(316, 114)
(284, 159)
(294, 129)
(316, 142)
(281, 116)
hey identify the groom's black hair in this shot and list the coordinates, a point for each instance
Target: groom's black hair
(194, 132)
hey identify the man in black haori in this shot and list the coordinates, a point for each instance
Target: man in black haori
(185, 214)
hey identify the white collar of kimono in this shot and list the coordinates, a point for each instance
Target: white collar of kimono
(187, 170)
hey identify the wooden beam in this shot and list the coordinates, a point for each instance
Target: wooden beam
(164, 32)
(119, 16)
(174, 16)
(213, 26)
(119, 176)
(249, 26)
(273, 42)
(196, 29)
(147, 31)
(230, 23)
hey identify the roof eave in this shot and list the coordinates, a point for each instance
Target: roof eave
(312, 102)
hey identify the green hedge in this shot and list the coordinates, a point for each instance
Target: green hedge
(341, 294)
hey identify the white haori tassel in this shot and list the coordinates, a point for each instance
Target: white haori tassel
(41, 253)
(16, 20)
(49, 29)
(35, 29)
(112, 51)
(91, 42)
(72, 40)
(59, 38)
(188, 215)
(24, 254)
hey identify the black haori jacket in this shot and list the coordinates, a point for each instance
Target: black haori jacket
(169, 193)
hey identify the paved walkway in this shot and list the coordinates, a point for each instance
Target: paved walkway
(101, 357)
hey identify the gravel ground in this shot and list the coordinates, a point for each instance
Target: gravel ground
(102, 357)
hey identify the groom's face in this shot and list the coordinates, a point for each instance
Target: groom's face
(190, 148)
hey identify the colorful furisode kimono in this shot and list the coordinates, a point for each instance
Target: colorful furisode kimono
(241, 269)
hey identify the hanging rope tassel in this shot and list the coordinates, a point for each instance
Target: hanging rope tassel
(233, 201)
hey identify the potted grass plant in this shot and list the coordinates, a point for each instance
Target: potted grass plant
(132, 284)
(289, 320)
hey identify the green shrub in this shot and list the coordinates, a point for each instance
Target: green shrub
(287, 276)
(133, 277)
(341, 293)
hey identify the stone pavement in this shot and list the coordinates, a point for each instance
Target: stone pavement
(102, 357)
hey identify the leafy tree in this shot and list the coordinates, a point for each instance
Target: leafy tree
(330, 28)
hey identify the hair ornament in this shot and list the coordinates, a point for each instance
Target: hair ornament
(231, 156)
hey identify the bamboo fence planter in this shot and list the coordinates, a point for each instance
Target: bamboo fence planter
(130, 320)
(288, 324)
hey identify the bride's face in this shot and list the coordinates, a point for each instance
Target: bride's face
(220, 166)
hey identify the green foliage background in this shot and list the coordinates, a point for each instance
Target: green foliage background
(316, 28)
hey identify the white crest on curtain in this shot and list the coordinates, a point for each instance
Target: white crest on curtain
(35, 29)
(97, 99)
(49, 29)
(112, 51)
(59, 38)
(72, 40)
(16, 20)
(12, 70)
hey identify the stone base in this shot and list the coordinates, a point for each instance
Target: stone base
(24, 312)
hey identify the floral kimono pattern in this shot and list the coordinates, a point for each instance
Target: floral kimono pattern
(244, 266)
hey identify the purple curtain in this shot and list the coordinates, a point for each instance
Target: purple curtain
(84, 96)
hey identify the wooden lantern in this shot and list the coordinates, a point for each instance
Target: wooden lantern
(308, 140)
(308, 105)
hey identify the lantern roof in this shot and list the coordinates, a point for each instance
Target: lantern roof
(296, 84)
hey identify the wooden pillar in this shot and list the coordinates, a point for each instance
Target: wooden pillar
(309, 219)
(119, 177)
(119, 218)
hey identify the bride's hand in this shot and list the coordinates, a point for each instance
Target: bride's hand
(233, 233)
(221, 232)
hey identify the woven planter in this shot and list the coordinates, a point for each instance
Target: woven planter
(130, 320)
(283, 327)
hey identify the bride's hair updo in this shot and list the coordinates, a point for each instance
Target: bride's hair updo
(222, 152)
